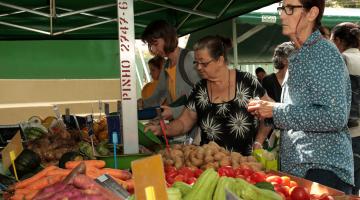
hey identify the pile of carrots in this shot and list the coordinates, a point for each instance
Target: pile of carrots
(28, 188)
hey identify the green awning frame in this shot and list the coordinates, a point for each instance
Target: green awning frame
(96, 19)
(268, 15)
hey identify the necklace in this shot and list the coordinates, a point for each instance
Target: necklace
(228, 96)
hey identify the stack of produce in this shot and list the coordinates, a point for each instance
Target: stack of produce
(53, 180)
(207, 156)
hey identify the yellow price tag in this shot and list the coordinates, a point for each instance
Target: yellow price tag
(150, 193)
(12, 158)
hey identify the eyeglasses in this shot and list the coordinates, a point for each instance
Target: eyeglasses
(202, 64)
(289, 9)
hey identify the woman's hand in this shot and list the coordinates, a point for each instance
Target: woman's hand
(261, 109)
(166, 113)
(155, 128)
(257, 145)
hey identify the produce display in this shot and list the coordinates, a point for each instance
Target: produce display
(192, 172)
(50, 181)
(210, 155)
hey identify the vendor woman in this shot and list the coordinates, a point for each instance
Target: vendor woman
(218, 102)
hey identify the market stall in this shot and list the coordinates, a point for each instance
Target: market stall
(205, 172)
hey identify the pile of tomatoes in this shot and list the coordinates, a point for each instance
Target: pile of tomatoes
(184, 174)
(283, 185)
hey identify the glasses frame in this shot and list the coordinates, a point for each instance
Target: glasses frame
(202, 64)
(289, 9)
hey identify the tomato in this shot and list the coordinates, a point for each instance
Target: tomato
(286, 181)
(170, 180)
(326, 197)
(186, 172)
(299, 193)
(258, 177)
(293, 184)
(171, 174)
(282, 189)
(226, 171)
(197, 173)
(169, 168)
(179, 177)
(190, 180)
(274, 178)
(243, 172)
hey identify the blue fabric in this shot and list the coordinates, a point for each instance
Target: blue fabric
(314, 113)
(329, 179)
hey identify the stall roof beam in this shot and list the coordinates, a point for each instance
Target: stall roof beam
(24, 28)
(187, 17)
(86, 10)
(250, 32)
(199, 13)
(24, 9)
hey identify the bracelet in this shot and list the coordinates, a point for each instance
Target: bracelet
(258, 143)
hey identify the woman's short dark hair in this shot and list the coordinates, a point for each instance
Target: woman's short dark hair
(348, 33)
(156, 62)
(216, 45)
(161, 29)
(320, 4)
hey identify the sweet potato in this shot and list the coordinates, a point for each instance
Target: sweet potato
(117, 173)
(79, 169)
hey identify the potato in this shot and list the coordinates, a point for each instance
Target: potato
(209, 159)
(169, 162)
(235, 164)
(256, 166)
(200, 153)
(178, 162)
(225, 162)
(219, 156)
(251, 159)
(177, 146)
(176, 153)
(216, 165)
(196, 162)
(209, 152)
(243, 159)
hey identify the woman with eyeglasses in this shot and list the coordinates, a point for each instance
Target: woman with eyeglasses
(346, 37)
(315, 104)
(177, 76)
(217, 103)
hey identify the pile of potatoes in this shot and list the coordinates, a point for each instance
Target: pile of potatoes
(210, 155)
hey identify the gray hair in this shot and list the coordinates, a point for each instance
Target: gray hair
(282, 52)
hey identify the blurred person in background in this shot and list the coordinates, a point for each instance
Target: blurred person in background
(346, 37)
(273, 83)
(260, 74)
(155, 65)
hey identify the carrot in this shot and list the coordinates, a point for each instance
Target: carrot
(120, 182)
(17, 197)
(93, 172)
(31, 195)
(117, 173)
(23, 191)
(59, 171)
(46, 181)
(89, 163)
(36, 177)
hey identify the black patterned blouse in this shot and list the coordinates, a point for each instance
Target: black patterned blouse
(228, 124)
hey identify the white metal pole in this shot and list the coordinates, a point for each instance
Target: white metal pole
(234, 40)
(126, 30)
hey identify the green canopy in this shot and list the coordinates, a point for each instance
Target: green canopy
(259, 32)
(96, 19)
